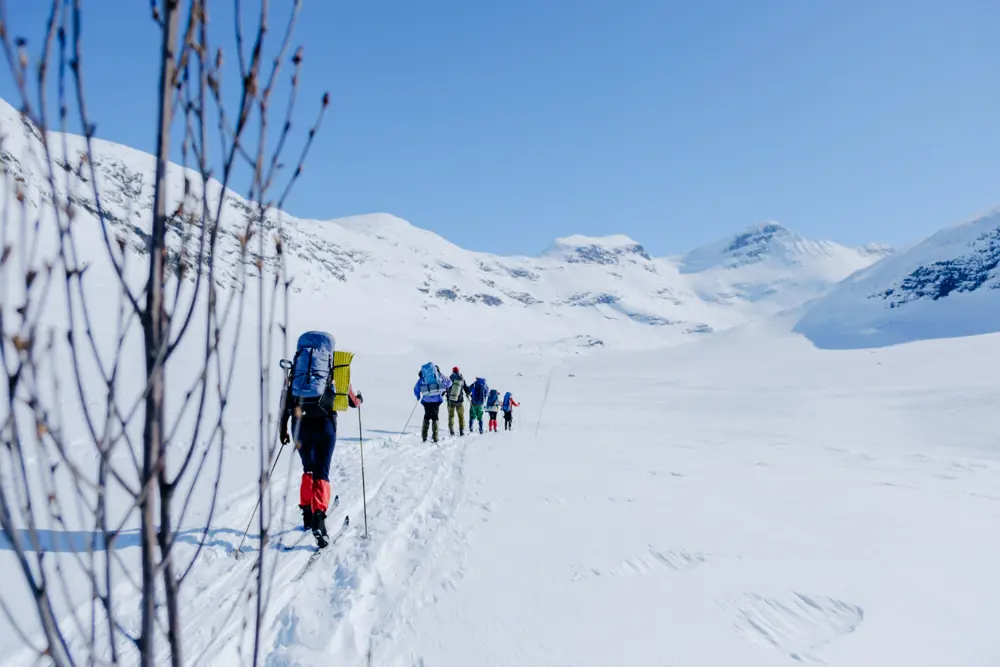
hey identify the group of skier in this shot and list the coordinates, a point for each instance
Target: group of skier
(318, 386)
(434, 389)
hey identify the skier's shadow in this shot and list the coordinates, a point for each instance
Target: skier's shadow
(83, 541)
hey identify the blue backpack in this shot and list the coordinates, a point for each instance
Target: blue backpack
(311, 378)
(431, 381)
(506, 402)
(494, 399)
(479, 390)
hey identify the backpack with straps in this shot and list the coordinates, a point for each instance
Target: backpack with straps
(311, 377)
(455, 392)
(431, 381)
(341, 379)
(479, 390)
(493, 399)
(506, 402)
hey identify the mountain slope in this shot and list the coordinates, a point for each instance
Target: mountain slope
(379, 272)
(945, 286)
(767, 268)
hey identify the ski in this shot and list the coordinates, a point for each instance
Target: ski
(319, 552)
(305, 532)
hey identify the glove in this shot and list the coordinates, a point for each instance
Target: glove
(361, 399)
(285, 439)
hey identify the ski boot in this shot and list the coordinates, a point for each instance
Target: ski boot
(307, 517)
(319, 529)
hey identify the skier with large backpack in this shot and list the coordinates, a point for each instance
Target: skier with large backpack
(492, 407)
(456, 401)
(477, 397)
(508, 406)
(310, 403)
(430, 389)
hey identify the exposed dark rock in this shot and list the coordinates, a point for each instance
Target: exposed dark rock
(965, 273)
(487, 299)
(596, 254)
(448, 294)
(586, 299)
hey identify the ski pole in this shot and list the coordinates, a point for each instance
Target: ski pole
(286, 366)
(364, 493)
(541, 410)
(257, 505)
(403, 432)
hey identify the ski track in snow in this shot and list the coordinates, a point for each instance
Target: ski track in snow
(360, 592)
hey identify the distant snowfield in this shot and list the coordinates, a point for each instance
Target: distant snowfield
(746, 500)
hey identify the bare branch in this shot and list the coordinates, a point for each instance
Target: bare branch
(63, 451)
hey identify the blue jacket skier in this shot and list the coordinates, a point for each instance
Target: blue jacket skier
(430, 389)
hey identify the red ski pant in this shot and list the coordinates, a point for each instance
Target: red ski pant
(317, 437)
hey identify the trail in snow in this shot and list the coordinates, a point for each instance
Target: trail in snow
(359, 590)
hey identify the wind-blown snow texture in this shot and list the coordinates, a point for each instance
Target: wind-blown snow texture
(745, 499)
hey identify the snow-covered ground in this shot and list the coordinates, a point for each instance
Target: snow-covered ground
(746, 500)
(748, 503)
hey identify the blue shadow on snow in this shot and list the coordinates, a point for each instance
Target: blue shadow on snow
(80, 541)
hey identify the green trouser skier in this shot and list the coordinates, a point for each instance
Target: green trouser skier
(476, 414)
(460, 409)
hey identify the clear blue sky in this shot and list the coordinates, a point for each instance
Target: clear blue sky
(501, 125)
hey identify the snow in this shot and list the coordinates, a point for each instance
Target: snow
(400, 276)
(767, 242)
(735, 501)
(749, 497)
(945, 286)
(596, 249)
(717, 508)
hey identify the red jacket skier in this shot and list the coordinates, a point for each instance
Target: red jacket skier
(508, 410)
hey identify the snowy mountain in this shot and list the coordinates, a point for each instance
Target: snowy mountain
(945, 286)
(771, 267)
(379, 270)
(605, 250)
